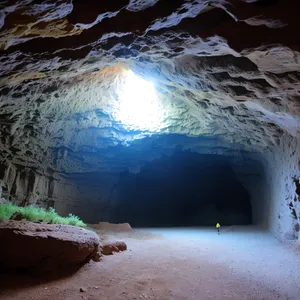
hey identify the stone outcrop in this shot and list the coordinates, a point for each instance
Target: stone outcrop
(226, 74)
(39, 246)
(108, 248)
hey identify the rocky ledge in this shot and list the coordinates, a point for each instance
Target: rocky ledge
(26, 245)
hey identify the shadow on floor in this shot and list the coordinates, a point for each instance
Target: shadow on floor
(13, 280)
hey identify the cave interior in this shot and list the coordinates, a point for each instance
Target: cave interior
(156, 113)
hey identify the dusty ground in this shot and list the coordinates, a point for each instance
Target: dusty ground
(241, 263)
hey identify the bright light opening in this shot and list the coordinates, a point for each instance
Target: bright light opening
(138, 106)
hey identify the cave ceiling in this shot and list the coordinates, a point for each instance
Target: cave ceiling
(226, 74)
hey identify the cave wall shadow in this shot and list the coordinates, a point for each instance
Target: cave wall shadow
(185, 189)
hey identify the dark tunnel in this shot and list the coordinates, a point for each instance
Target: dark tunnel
(185, 189)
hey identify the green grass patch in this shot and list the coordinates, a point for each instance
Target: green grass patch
(31, 213)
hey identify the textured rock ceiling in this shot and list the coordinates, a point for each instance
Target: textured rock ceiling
(226, 73)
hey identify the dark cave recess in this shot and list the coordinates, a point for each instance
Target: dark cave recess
(186, 189)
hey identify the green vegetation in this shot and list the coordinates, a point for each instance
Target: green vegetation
(31, 213)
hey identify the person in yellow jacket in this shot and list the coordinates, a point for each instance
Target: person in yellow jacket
(218, 226)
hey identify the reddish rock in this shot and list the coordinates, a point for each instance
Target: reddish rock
(109, 247)
(97, 256)
(45, 246)
(120, 245)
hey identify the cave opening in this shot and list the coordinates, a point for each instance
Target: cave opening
(185, 189)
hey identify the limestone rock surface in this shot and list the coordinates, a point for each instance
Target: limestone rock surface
(226, 74)
(227, 69)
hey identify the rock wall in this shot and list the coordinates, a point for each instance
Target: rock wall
(23, 186)
(282, 171)
(87, 195)
(273, 190)
(272, 185)
(97, 196)
(254, 181)
(226, 73)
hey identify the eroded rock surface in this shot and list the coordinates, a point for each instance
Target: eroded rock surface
(222, 68)
(226, 74)
(26, 245)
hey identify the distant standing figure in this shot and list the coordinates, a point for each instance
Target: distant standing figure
(218, 227)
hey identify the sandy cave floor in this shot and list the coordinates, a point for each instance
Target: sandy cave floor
(241, 263)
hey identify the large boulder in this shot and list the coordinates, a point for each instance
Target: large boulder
(45, 246)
